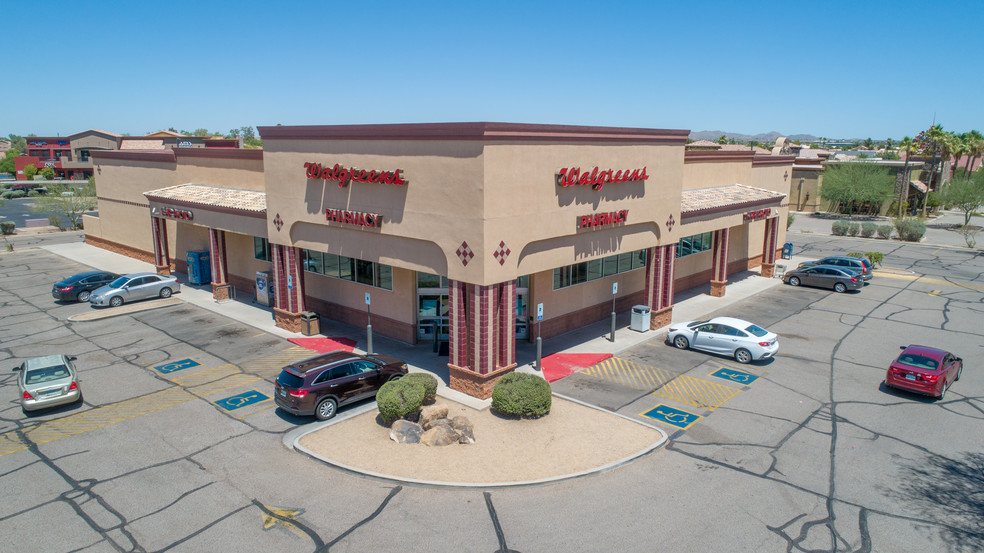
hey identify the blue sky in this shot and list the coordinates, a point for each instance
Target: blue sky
(833, 69)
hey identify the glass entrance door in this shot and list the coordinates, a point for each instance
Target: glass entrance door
(522, 307)
(432, 307)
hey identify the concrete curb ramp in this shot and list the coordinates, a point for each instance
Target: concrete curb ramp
(106, 312)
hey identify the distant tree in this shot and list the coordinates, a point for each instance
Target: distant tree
(30, 171)
(48, 173)
(68, 200)
(201, 132)
(172, 129)
(247, 133)
(797, 142)
(7, 163)
(850, 185)
(965, 194)
(18, 143)
(890, 155)
(975, 145)
(722, 139)
(868, 143)
(234, 133)
(909, 147)
(888, 144)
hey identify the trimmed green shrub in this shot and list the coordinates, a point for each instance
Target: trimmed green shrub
(14, 194)
(33, 193)
(7, 194)
(428, 382)
(399, 399)
(7, 227)
(913, 231)
(868, 229)
(853, 229)
(839, 228)
(884, 231)
(874, 257)
(521, 395)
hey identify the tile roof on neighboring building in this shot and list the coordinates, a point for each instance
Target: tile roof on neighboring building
(141, 144)
(726, 198)
(704, 144)
(210, 196)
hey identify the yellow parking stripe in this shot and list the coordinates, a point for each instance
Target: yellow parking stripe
(697, 392)
(629, 374)
(931, 280)
(228, 383)
(270, 365)
(207, 375)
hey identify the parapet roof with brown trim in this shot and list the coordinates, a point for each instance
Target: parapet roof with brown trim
(171, 155)
(485, 131)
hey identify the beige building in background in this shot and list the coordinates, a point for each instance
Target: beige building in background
(454, 232)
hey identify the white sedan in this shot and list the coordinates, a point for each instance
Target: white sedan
(743, 340)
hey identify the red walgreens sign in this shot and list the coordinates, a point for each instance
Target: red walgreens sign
(346, 175)
(597, 178)
(756, 215)
(368, 220)
(177, 213)
(602, 219)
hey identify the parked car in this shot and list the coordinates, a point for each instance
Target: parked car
(924, 370)
(320, 385)
(48, 381)
(132, 287)
(840, 279)
(862, 266)
(79, 287)
(744, 341)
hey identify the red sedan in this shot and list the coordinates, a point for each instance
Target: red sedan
(924, 370)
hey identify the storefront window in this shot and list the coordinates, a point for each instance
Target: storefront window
(364, 273)
(427, 280)
(595, 269)
(611, 266)
(523, 281)
(384, 276)
(694, 244)
(625, 262)
(261, 249)
(347, 268)
(331, 265)
(314, 262)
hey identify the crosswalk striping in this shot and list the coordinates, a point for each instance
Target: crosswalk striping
(270, 365)
(697, 392)
(629, 374)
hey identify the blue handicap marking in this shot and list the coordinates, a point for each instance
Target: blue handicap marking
(734, 376)
(241, 400)
(669, 415)
(177, 366)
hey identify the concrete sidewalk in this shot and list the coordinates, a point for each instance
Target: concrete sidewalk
(690, 305)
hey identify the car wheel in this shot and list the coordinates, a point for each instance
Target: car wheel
(326, 409)
(395, 377)
(116, 301)
(165, 292)
(943, 391)
(83, 296)
(840, 288)
(960, 372)
(681, 342)
(743, 356)
(794, 281)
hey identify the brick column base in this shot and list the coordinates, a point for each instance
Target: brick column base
(661, 318)
(474, 384)
(163, 269)
(768, 269)
(220, 291)
(717, 288)
(287, 320)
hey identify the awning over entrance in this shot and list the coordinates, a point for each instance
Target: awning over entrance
(240, 211)
(724, 200)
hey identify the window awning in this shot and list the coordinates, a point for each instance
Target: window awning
(725, 200)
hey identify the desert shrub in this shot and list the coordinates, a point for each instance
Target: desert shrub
(789, 220)
(853, 229)
(884, 231)
(7, 227)
(33, 193)
(428, 382)
(399, 399)
(874, 257)
(521, 395)
(868, 229)
(14, 194)
(55, 220)
(6, 194)
(839, 228)
(909, 229)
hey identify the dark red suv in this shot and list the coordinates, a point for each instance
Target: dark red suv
(320, 385)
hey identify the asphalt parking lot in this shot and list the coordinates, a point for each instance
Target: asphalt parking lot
(173, 451)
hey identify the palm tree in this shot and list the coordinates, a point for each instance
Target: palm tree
(938, 140)
(908, 146)
(960, 147)
(975, 148)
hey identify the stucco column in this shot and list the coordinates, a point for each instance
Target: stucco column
(289, 286)
(220, 269)
(660, 268)
(720, 256)
(162, 260)
(478, 356)
(769, 247)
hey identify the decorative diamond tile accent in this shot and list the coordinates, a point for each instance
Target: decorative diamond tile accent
(502, 253)
(464, 253)
(278, 222)
(670, 222)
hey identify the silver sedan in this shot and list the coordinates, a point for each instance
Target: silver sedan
(136, 286)
(48, 381)
(744, 341)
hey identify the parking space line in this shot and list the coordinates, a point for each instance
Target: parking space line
(697, 392)
(204, 376)
(629, 374)
(271, 406)
(270, 365)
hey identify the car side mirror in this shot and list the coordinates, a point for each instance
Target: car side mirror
(959, 359)
(903, 347)
(72, 358)
(18, 368)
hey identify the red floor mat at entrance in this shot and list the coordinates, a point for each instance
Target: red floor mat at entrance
(324, 345)
(559, 365)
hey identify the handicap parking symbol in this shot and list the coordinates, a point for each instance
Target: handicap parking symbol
(734, 376)
(176, 366)
(669, 415)
(241, 400)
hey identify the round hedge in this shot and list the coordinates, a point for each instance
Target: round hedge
(399, 399)
(429, 383)
(521, 395)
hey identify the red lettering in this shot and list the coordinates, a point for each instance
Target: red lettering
(618, 176)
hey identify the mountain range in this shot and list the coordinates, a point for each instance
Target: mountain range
(762, 138)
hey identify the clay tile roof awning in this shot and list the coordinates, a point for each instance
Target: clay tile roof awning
(726, 200)
(219, 199)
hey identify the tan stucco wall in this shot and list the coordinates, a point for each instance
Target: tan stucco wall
(713, 173)
(398, 303)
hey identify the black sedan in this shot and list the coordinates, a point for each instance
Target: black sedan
(79, 287)
(841, 279)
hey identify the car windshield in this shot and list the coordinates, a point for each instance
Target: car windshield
(118, 283)
(756, 330)
(696, 323)
(289, 380)
(918, 361)
(47, 374)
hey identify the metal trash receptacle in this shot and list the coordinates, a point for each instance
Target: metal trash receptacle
(640, 318)
(310, 323)
(787, 250)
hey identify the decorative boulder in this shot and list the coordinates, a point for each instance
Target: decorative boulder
(439, 435)
(406, 432)
(464, 428)
(431, 413)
